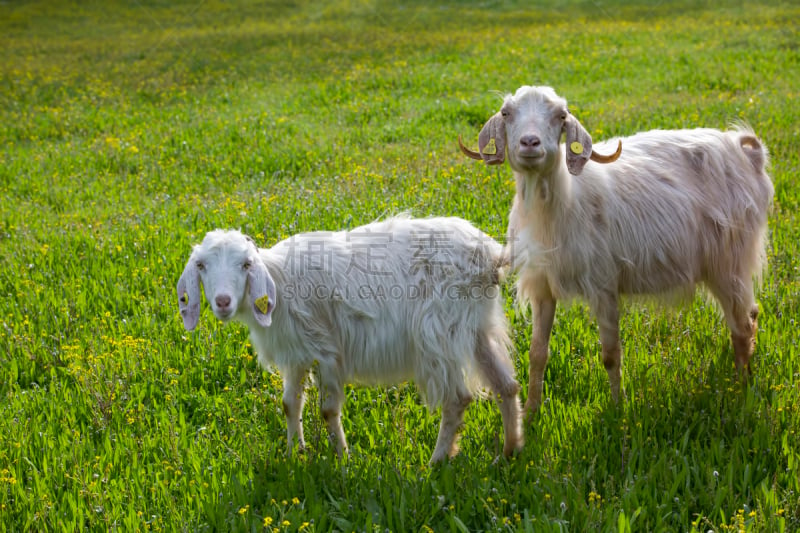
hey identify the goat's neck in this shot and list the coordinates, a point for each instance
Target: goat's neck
(544, 192)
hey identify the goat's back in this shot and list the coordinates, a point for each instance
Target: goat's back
(701, 193)
(677, 208)
(390, 301)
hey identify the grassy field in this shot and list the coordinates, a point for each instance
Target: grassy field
(128, 130)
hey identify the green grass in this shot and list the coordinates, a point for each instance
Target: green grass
(127, 130)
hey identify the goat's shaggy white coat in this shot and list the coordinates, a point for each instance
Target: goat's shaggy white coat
(383, 303)
(678, 208)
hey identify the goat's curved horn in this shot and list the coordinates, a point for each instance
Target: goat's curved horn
(597, 158)
(467, 151)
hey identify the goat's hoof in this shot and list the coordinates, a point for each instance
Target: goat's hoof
(343, 456)
(531, 408)
(512, 451)
(440, 457)
(744, 374)
(510, 454)
(301, 451)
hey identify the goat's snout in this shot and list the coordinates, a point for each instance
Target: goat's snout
(530, 141)
(223, 302)
(530, 147)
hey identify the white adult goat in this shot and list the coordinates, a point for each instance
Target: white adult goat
(675, 209)
(386, 302)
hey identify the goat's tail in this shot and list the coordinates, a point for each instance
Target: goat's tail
(500, 266)
(754, 151)
(752, 147)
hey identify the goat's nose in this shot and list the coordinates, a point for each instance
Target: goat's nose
(223, 301)
(531, 141)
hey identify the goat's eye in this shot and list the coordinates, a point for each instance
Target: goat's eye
(200, 266)
(247, 264)
(505, 112)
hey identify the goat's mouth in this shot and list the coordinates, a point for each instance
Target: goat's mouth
(531, 155)
(224, 314)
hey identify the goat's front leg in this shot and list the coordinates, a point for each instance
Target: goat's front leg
(544, 312)
(331, 399)
(452, 417)
(293, 399)
(608, 322)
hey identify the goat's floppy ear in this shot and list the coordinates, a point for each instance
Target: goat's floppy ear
(262, 292)
(492, 140)
(579, 145)
(189, 295)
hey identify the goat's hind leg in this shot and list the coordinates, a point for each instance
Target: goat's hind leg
(608, 322)
(331, 400)
(741, 313)
(497, 371)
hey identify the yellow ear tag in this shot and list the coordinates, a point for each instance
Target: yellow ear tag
(576, 148)
(185, 298)
(263, 304)
(490, 148)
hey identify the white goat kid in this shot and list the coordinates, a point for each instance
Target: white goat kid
(384, 303)
(677, 208)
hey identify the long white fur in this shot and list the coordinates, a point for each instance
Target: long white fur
(677, 209)
(402, 299)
